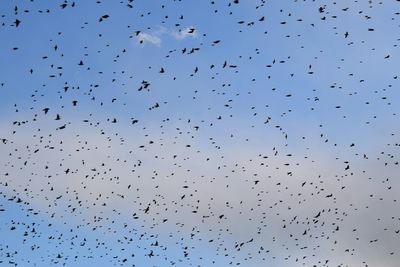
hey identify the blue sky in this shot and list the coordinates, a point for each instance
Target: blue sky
(262, 140)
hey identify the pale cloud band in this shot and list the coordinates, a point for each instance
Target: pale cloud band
(155, 37)
(187, 32)
(143, 38)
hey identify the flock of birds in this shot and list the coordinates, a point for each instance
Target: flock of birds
(199, 133)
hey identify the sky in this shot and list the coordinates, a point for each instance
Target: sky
(199, 133)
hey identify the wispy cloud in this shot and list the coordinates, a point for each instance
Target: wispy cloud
(187, 32)
(154, 38)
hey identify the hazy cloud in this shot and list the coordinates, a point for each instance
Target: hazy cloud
(154, 39)
(187, 32)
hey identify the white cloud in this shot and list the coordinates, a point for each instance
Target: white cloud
(149, 38)
(155, 36)
(182, 34)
